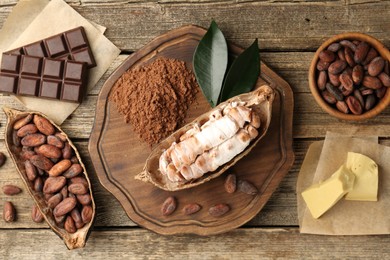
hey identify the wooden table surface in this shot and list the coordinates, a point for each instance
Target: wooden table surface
(289, 32)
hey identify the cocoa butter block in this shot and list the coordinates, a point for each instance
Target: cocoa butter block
(43, 77)
(69, 45)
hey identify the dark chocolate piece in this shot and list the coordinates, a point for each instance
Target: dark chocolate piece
(69, 45)
(43, 77)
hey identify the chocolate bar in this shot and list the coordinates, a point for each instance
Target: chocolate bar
(69, 45)
(43, 77)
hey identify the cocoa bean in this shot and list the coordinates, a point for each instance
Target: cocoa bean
(370, 102)
(23, 121)
(372, 53)
(78, 188)
(342, 107)
(386, 69)
(40, 172)
(334, 79)
(231, 183)
(69, 225)
(334, 47)
(54, 140)
(16, 139)
(60, 220)
(26, 155)
(41, 162)
(219, 210)
(9, 212)
(247, 187)
(54, 200)
(337, 66)
(346, 81)
(357, 74)
(344, 91)
(349, 55)
(327, 56)
(385, 79)
(84, 199)
(71, 195)
(366, 91)
(61, 136)
(36, 215)
(73, 171)
(78, 179)
(38, 184)
(380, 93)
(322, 65)
(359, 97)
(354, 105)
(334, 91)
(2, 159)
(64, 191)
(31, 171)
(27, 129)
(49, 151)
(47, 196)
(328, 97)
(356, 42)
(43, 125)
(74, 160)
(376, 66)
(361, 52)
(33, 140)
(341, 54)
(54, 184)
(169, 206)
(59, 168)
(372, 82)
(87, 212)
(76, 216)
(11, 190)
(347, 43)
(64, 207)
(67, 151)
(322, 79)
(190, 209)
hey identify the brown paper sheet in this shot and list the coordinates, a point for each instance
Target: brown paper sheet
(323, 158)
(60, 17)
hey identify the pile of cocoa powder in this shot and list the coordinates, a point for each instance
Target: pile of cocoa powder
(155, 98)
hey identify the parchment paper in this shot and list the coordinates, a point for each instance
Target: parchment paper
(323, 158)
(44, 19)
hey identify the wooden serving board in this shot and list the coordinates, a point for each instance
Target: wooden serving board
(118, 154)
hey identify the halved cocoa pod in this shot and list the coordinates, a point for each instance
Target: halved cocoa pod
(48, 128)
(259, 101)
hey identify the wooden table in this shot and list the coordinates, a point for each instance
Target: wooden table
(289, 32)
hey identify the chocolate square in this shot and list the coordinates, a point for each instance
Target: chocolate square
(50, 89)
(74, 71)
(8, 83)
(52, 68)
(10, 63)
(36, 49)
(31, 65)
(84, 55)
(71, 92)
(76, 39)
(56, 46)
(28, 86)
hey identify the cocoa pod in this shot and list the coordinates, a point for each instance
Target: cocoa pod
(36, 215)
(43, 125)
(372, 53)
(346, 81)
(322, 79)
(23, 121)
(354, 105)
(334, 79)
(358, 96)
(49, 151)
(247, 187)
(54, 184)
(54, 200)
(347, 43)
(190, 209)
(342, 107)
(54, 140)
(380, 93)
(361, 52)
(337, 66)
(334, 47)
(385, 79)
(69, 225)
(169, 206)
(322, 65)
(327, 56)
(78, 188)
(2, 159)
(231, 183)
(73, 171)
(27, 129)
(370, 102)
(11, 190)
(357, 74)
(67, 151)
(376, 66)
(335, 92)
(31, 171)
(328, 97)
(38, 184)
(76, 216)
(41, 162)
(16, 140)
(59, 168)
(64, 207)
(9, 212)
(86, 214)
(372, 82)
(219, 210)
(84, 199)
(33, 140)
(349, 57)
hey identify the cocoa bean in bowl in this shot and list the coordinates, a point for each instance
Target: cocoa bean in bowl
(349, 76)
(53, 173)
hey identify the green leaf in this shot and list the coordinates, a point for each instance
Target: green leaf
(243, 73)
(210, 62)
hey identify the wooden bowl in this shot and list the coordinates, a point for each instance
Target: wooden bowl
(379, 107)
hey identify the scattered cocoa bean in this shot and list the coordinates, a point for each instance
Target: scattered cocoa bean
(169, 206)
(87, 212)
(2, 159)
(231, 183)
(247, 187)
(370, 102)
(22, 122)
(9, 212)
(54, 184)
(64, 207)
(59, 168)
(43, 125)
(219, 210)
(36, 215)
(11, 190)
(191, 208)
